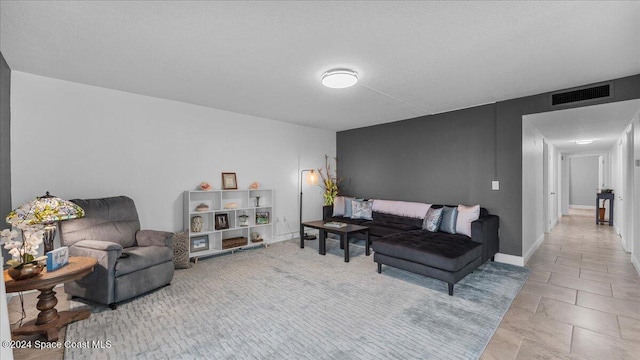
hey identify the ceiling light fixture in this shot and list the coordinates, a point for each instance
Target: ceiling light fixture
(339, 78)
(584, 141)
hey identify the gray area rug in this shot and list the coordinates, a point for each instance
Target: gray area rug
(283, 302)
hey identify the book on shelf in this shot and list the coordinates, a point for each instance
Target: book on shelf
(335, 224)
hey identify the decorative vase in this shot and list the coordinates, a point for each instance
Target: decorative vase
(25, 271)
(257, 201)
(196, 224)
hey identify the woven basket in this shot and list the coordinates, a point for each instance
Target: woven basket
(233, 242)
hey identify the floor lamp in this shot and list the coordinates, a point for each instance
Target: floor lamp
(312, 180)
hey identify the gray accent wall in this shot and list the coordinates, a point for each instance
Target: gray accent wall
(583, 180)
(451, 158)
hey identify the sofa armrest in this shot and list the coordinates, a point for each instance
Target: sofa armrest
(154, 238)
(485, 232)
(327, 212)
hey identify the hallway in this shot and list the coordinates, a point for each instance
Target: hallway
(582, 300)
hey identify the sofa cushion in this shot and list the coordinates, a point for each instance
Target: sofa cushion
(361, 209)
(449, 219)
(432, 220)
(449, 252)
(142, 257)
(401, 208)
(389, 218)
(466, 215)
(377, 228)
(346, 220)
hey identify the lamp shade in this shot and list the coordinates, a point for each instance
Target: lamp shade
(44, 210)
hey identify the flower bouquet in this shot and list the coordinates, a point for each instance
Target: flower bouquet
(23, 263)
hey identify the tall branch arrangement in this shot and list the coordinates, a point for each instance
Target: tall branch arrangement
(330, 181)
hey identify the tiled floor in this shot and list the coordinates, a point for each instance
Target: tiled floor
(582, 300)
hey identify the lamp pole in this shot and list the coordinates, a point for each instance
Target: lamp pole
(304, 236)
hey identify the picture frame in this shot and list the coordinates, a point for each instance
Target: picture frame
(198, 243)
(222, 221)
(229, 181)
(262, 217)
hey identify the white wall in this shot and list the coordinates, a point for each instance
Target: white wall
(635, 255)
(583, 183)
(532, 189)
(80, 141)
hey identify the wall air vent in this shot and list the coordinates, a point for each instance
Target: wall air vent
(590, 93)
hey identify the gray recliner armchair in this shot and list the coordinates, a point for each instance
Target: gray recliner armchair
(131, 261)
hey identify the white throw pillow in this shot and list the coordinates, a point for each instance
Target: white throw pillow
(466, 215)
(338, 206)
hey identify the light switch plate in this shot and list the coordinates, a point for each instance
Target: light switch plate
(495, 185)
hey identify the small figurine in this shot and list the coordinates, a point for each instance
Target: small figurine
(254, 185)
(205, 186)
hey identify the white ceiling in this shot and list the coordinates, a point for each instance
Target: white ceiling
(605, 123)
(266, 58)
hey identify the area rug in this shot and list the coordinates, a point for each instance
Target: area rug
(283, 302)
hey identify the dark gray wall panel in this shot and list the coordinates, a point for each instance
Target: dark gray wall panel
(449, 158)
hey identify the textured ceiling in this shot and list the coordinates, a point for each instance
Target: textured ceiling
(266, 58)
(605, 123)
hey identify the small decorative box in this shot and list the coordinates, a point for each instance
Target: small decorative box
(57, 258)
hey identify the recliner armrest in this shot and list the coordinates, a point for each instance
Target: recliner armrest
(98, 245)
(154, 238)
(106, 252)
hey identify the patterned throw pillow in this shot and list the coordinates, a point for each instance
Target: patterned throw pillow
(181, 250)
(361, 209)
(432, 220)
(466, 215)
(449, 219)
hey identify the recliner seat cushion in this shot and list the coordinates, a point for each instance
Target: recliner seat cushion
(142, 257)
(450, 252)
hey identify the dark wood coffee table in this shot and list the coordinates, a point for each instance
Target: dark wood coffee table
(344, 233)
(49, 320)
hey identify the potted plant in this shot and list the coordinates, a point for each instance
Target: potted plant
(330, 181)
(23, 262)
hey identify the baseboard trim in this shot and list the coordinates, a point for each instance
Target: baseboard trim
(554, 223)
(636, 264)
(533, 248)
(509, 259)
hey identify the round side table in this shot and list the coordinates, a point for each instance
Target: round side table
(49, 320)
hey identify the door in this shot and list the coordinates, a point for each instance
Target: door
(545, 186)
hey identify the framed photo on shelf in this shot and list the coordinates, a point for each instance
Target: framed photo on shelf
(199, 243)
(229, 181)
(262, 217)
(222, 221)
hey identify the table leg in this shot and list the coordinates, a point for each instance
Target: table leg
(345, 239)
(49, 320)
(47, 305)
(322, 246)
(368, 242)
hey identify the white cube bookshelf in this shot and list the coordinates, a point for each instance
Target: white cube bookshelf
(233, 203)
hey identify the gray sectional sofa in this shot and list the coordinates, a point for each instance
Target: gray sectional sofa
(401, 242)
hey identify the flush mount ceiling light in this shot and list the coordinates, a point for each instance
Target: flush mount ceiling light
(584, 141)
(339, 78)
